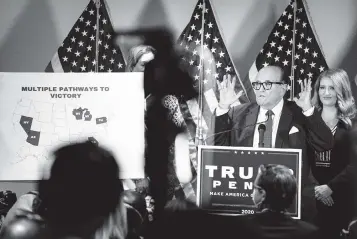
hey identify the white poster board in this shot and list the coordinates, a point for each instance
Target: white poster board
(42, 111)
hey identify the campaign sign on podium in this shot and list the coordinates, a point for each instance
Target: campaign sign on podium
(226, 177)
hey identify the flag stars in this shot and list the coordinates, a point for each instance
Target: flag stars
(106, 46)
(108, 36)
(197, 42)
(269, 54)
(193, 27)
(86, 58)
(80, 43)
(276, 59)
(280, 48)
(200, 6)
(84, 33)
(314, 54)
(77, 53)
(299, 45)
(100, 42)
(206, 10)
(218, 64)
(321, 68)
(89, 48)
(284, 13)
(83, 68)
(199, 67)
(265, 64)
(205, 81)
(312, 64)
(104, 57)
(92, 38)
(221, 54)
(304, 24)
(228, 69)
(101, 67)
(114, 51)
(302, 35)
(186, 47)
(81, 19)
(197, 77)
(95, 27)
(300, 9)
(109, 70)
(216, 75)
(65, 59)
(191, 62)
(304, 60)
(291, 41)
(73, 39)
(210, 25)
(286, 27)
(69, 49)
(302, 71)
(289, 16)
(283, 37)
(288, 52)
(208, 35)
(210, 61)
(306, 50)
(213, 50)
(297, 20)
(215, 39)
(93, 62)
(297, 56)
(120, 65)
(309, 39)
(276, 33)
(189, 38)
(208, 71)
(91, 12)
(104, 21)
(194, 52)
(272, 44)
(101, 32)
(74, 63)
(205, 46)
(280, 23)
(197, 16)
(285, 62)
(76, 29)
(310, 75)
(88, 23)
(200, 31)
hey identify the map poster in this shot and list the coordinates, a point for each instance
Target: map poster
(40, 112)
(226, 175)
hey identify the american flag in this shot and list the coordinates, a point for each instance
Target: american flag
(309, 60)
(216, 63)
(77, 52)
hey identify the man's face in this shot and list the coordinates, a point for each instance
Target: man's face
(258, 194)
(269, 98)
(144, 59)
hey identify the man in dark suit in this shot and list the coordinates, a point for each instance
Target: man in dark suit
(287, 124)
(274, 191)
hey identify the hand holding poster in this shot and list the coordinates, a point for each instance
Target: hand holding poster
(226, 177)
(40, 112)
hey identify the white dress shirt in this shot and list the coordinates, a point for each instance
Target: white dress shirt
(262, 117)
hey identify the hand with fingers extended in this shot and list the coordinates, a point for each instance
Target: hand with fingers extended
(227, 94)
(323, 193)
(304, 100)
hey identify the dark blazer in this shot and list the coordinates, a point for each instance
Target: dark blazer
(266, 225)
(236, 128)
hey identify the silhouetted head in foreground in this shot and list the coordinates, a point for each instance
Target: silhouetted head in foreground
(274, 188)
(83, 188)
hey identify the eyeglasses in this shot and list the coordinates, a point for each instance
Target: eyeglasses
(266, 85)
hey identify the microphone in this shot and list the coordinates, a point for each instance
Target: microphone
(261, 130)
(231, 130)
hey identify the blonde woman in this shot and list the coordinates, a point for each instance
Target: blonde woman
(332, 169)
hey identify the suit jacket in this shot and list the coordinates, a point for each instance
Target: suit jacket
(266, 225)
(236, 128)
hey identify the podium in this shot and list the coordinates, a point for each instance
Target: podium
(225, 177)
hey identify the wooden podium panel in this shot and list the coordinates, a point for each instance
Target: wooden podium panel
(226, 175)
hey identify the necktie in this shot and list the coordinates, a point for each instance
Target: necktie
(269, 130)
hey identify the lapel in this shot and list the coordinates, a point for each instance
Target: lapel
(282, 134)
(247, 133)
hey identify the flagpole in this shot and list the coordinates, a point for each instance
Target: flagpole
(97, 4)
(199, 130)
(292, 89)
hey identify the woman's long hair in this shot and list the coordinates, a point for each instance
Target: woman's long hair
(135, 53)
(115, 226)
(345, 102)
